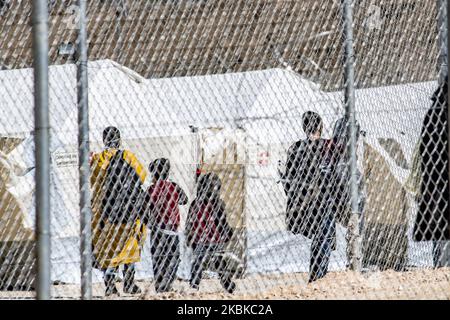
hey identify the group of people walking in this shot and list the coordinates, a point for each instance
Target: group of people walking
(123, 214)
(316, 180)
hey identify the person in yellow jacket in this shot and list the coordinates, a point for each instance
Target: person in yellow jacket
(117, 232)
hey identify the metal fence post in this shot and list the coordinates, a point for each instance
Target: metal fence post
(83, 155)
(448, 93)
(349, 99)
(42, 147)
(443, 43)
(442, 19)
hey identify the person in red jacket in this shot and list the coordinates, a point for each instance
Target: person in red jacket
(162, 213)
(208, 232)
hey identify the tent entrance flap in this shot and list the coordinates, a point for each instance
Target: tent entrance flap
(16, 238)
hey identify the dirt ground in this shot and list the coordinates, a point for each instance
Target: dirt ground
(390, 285)
(421, 284)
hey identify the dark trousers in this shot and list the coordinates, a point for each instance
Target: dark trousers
(321, 248)
(166, 259)
(109, 275)
(207, 257)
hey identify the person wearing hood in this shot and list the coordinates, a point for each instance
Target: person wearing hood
(208, 232)
(117, 232)
(340, 179)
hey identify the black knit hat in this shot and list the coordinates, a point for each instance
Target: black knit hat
(111, 137)
(208, 182)
(311, 122)
(160, 168)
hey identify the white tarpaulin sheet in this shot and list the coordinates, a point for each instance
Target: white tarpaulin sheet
(267, 104)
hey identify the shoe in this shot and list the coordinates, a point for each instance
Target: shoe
(194, 286)
(229, 286)
(129, 286)
(162, 290)
(315, 277)
(110, 285)
(132, 289)
(110, 290)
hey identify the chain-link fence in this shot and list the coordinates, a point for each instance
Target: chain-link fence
(229, 149)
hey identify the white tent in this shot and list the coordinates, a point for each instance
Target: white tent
(154, 117)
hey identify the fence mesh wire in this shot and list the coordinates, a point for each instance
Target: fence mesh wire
(219, 149)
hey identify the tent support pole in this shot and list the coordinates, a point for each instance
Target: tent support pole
(42, 148)
(349, 98)
(83, 155)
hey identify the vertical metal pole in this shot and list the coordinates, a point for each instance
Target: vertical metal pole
(244, 225)
(355, 241)
(42, 147)
(443, 37)
(443, 247)
(448, 111)
(83, 155)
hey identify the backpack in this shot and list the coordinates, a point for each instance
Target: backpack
(122, 189)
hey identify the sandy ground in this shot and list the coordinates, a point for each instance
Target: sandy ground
(417, 284)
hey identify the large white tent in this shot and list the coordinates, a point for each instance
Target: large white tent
(155, 115)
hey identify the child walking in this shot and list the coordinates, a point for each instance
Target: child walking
(162, 213)
(208, 232)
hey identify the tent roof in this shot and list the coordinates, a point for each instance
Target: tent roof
(270, 102)
(17, 101)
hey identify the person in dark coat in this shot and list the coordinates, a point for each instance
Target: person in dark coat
(162, 214)
(341, 174)
(433, 218)
(309, 204)
(208, 232)
(341, 180)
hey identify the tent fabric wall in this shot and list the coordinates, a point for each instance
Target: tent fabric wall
(153, 114)
(385, 240)
(16, 237)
